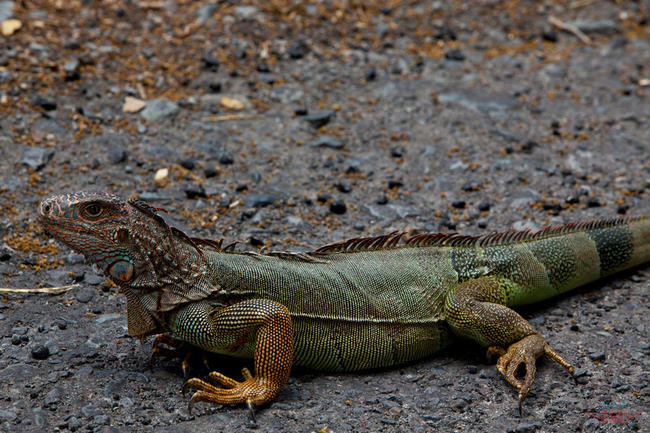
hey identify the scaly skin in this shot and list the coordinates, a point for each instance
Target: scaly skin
(358, 304)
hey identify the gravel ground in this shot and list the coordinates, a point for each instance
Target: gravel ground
(287, 125)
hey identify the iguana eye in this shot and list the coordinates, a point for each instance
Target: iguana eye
(93, 210)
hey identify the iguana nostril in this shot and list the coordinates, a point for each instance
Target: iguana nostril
(45, 208)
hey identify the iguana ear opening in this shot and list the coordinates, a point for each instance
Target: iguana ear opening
(122, 235)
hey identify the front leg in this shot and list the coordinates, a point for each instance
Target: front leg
(263, 322)
(476, 309)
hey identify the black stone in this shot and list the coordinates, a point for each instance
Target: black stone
(338, 207)
(195, 191)
(382, 200)
(298, 50)
(255, 242)
(396, 152)
(597, 356)
(445, 33)
(572, 199)
(215, 87)
(187, 163)
(484, 206)
(259, 200)
(393, 183)
(455, 54)
(529, 146)
(40, 352)
(300, 112)
(468, 186)
(318, 119)
(370, 74)
(44, 103)
(549, 35)
(225, 158)
(210, 172)
(210, 62)
(593, 202)
(322, 198)
(343, 186)
(459, 204)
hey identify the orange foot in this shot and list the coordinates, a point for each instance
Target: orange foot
(254, 391)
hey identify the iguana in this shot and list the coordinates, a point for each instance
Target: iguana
(358, 304)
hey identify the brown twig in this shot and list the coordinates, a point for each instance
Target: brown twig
(561, 25)
(51, 290)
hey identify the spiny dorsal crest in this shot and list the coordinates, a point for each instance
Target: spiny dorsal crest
(402, 239)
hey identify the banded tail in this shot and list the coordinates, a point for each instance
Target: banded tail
(558, 259)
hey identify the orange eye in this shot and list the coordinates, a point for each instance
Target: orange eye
(93, 210)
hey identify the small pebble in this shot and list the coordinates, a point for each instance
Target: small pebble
(210, 172)
(338, 207)
(116, 155)
(71, 70)
(40, 352)
(195, 191)
(210, 62)
(343, 186)
(45, 103)
(298, 50)
(319, 119)
(187, 164)
(455, 54)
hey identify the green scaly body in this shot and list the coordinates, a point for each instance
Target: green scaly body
(357, 304)
(381, 307)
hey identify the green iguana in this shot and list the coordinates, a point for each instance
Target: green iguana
(362, 303)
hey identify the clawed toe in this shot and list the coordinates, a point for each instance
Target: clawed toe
(525, 352)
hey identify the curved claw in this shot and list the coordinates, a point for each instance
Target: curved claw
(190, 405)
(251, 413)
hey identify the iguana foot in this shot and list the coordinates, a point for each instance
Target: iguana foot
(168, 346)
(253, 391)
(525, 352)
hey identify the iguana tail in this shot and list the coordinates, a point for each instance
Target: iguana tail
(558, 259)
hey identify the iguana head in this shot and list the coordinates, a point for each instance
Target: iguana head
(122, 237)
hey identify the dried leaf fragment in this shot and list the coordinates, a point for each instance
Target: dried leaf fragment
(231, 103)
(133, 105)
(11, 26)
